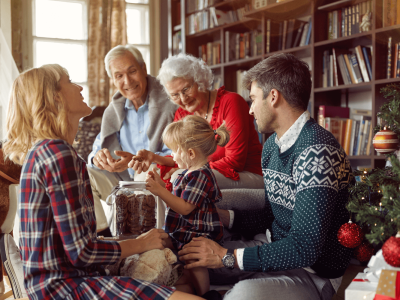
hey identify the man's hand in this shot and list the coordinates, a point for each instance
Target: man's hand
(155, 176)
(102, 160)
(147, 158)
(202, 252)
(122, 163)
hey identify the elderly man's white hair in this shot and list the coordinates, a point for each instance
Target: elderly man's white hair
(120, 50)
(187, 67)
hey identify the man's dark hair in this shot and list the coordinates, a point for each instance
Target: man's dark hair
(285, 73)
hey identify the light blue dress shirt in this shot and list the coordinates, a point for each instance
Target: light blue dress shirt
(133, 133)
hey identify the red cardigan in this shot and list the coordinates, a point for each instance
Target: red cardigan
(243, 151)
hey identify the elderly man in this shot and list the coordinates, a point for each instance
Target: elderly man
(134, 120)
(306, 175)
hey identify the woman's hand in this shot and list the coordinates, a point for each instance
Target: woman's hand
(144, 165)
(202, 252)
(153, 239)
(155, 176)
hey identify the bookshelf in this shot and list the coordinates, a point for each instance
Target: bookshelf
(315, 12)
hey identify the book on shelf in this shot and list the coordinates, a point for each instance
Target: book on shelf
(389, 59)
(335, 68)
(343, 69)
(217, 82)
(325, 111)
(369, 142)
(389, 9)
(349, 66)
(285, 26)
(398, 61)
(362, 64)
(335, 126)
(308, 37)
(296, 42)
(280, 36)
(354, 135)
(177, 43)
(210, 53)
(257, 4)
(245, 93)
(272, 36)
(304, 34)
(356, 68)
(347, 137)
(368, 59)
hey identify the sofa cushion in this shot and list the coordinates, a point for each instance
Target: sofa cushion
(10, 255)
(242, 199)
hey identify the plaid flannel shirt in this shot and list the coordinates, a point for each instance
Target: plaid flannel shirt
(198, 187)
(61, 256)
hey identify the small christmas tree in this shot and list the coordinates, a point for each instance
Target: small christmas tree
(375, 199)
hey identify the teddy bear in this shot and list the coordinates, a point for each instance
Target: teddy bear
(9, 174)
(153, 266)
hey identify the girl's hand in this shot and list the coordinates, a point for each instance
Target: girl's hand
(154, 187)
(155, 176)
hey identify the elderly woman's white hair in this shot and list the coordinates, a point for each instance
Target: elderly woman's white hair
(120, 50)
(187, 67)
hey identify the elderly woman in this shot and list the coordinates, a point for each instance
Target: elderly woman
(188, 80)
(62, 257)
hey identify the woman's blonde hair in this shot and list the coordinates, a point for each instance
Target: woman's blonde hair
(196, 133)
(36, 111)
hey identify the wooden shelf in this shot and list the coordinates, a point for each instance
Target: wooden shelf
(224, 5)
(304, 9)
(359, 87)
(282, 10)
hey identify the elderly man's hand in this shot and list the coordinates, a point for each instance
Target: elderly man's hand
(147, 158)
(122, 163)
(104, 161)
(202, 252)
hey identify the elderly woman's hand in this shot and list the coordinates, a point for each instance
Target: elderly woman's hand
(202, 252)
(147, 158)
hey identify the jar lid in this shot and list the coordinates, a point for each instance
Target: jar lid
(133, 184)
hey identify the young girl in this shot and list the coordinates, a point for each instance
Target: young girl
(191, 207)
(62, 257)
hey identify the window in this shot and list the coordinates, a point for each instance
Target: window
(138, 27)
(59, 33)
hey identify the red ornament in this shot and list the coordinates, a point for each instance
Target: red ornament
(385, 141)
(350, 235)
(391, 251)
(364, 252)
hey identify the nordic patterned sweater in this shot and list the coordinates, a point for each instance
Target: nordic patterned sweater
(305, 193)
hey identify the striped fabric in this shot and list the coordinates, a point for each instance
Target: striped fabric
(62, 258)
(200, 188)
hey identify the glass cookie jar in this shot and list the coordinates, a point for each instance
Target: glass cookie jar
(135, 210)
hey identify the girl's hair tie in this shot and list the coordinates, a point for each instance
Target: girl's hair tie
(215, 132)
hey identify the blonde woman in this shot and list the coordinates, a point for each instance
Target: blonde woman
(62, 257)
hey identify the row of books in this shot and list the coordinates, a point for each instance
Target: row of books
(352, 128)
(390, 12)
(210, 18)
(242, 45)
(393, 61)
(194, 5)
(341, 66)
(211, 53)
(287, 34)
(350, 20)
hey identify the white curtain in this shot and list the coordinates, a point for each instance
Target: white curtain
(8, 73)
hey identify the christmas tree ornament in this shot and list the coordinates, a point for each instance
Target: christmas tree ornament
(385, 141)
(350, 235)
(391, 251)
(364, 252)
